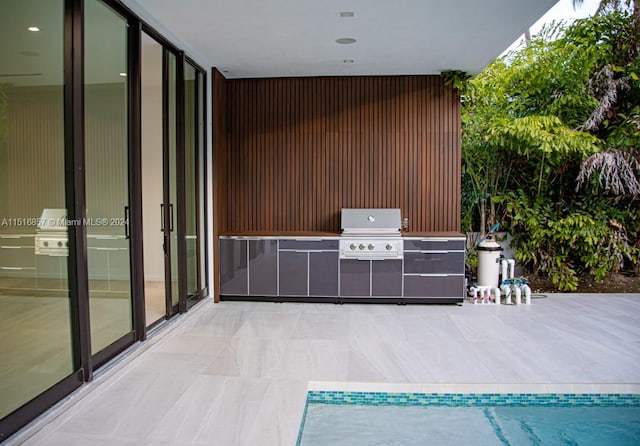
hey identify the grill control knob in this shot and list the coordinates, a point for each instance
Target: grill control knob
(361, 247)
(59, 244)
(352, 246)
(45, 243)
(389, 247)
(370, 246)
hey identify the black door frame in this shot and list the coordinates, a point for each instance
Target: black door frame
(200, 81)
(84, 363)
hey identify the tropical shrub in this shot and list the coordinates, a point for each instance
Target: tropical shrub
(551, 148)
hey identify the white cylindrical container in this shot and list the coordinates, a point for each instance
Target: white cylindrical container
(527, 294)
(489, 263)
(518, 294)
(504, 268)
(496, 295)
(512, 268)
(506, 290)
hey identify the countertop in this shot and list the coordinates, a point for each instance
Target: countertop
(289, 234)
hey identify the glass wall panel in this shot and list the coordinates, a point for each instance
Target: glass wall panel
(173, 180)
(107, 174)
(152, 180)
(191, 177)
(202, 211)
(35, 329)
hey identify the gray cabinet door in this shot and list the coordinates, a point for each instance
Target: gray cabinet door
(323, 273)
(305, 245)
(263, 267)
(434, 286)
(293, 273)
(355, 278)
(386, 278)
(234, 278)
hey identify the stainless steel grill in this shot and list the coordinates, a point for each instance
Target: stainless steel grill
(51, 238)
(371, 234)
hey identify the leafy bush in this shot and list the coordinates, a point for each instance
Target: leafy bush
(563, 242)
(551, 148)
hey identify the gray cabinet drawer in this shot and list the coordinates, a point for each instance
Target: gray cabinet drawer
(107, 242)
(309, 245)
(434, 244)
(16, 240)
(433, 286)
(434, 263)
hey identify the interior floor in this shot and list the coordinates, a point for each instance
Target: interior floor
(154, 301)
(35, 341)
(238, 372)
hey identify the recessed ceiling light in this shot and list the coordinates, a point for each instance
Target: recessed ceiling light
(346, 14)
(347, 61)
(346, 40)
(123, 74)
(34, 29)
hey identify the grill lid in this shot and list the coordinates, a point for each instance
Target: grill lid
(370, 221)
(52, 220)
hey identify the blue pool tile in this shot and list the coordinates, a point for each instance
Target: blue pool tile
(472, 399)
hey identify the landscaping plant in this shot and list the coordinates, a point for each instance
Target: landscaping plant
(551, 147)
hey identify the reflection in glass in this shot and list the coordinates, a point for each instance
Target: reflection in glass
(173, 191)
(201, 182)
(107, 174)
(191, 177)
(35, 331)
(152, 193)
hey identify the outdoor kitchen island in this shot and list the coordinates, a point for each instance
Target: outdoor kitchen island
(357, 266)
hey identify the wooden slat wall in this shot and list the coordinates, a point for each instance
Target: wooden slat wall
(32, 157)
(106, 153)
(297, 150)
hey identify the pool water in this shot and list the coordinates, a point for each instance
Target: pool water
(469, 422)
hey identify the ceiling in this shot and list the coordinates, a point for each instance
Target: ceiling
(274, 38)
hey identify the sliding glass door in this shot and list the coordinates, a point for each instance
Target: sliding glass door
(171, 202)
(36, 348)
(102, 229)
(195, 209)
(107, 174)
(159, 148)
(152, 148)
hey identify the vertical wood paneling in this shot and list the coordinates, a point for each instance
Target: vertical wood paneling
(32, 154)
(35, 151)
(297, 150)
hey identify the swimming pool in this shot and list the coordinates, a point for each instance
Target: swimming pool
(380, 418)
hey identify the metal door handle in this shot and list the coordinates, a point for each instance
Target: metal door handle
(170, 217)
(161, 217)
(127, 233)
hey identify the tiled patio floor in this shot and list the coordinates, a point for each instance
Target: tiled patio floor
(237, 373)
